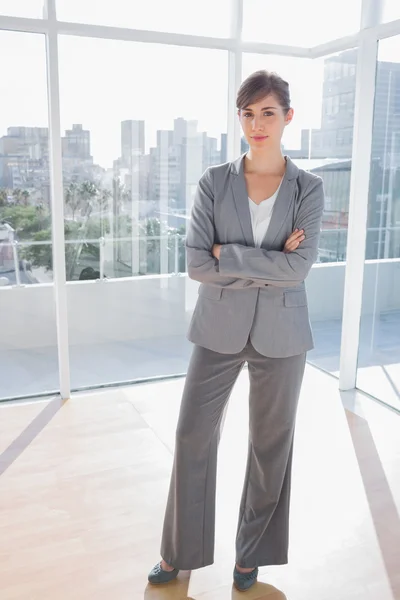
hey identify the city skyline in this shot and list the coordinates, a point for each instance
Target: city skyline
(23, 144)
(159, 180)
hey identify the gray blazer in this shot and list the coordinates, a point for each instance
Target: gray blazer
(252, 292)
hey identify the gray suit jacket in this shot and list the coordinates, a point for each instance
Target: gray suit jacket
(256, 292)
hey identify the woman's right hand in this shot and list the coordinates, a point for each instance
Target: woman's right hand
(294, 241)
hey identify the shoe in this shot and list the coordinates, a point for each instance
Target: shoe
(244, 581)
(157, 575)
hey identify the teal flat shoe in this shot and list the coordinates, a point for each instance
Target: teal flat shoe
(158, 576)
(244, 581)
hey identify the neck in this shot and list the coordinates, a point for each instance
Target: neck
(265, 162)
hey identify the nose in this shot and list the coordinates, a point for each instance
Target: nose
(257, 124)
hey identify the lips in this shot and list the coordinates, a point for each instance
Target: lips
(259, 138)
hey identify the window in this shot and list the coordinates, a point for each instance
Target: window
(311, 141)
(134, 149)
(379, 353)
(22, 8)
(336, 103)
(391, 10)
(173, 16)
(340, 137)
(290, 23)
(28, 351)
(25, 208)
(329, 105)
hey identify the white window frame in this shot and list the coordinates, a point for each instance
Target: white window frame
(366, 40)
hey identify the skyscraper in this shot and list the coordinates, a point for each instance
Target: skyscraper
(76, 143)
(24, 155)
(132, 140)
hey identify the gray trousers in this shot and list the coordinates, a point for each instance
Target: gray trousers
(263, 529)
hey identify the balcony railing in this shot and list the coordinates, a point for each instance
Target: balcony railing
(130, 254)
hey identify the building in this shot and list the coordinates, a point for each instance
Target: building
(177, 163)
(333, 144)
(24, 158)
(76, 143)
(76, 152)
(132, 140)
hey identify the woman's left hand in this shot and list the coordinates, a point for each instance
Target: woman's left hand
(216, 250)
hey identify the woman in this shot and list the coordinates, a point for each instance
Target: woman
(252, 240)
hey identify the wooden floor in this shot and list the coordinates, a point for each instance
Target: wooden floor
(83, 487)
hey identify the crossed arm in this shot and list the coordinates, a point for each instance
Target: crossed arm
(236, 266)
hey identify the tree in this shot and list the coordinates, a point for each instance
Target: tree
(25, 195)
(3, 197)
(103, 199)
(72, 198)
(153, 228)
(88, 192)
(25, 220)
(41, 255)
(93, 222)
(17, 196)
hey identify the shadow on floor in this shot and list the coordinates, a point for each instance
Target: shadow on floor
(379, 495)
(28, 435)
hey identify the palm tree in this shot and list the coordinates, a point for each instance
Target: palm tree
(25, 197)
(40, 211)
(88, 192)
(17, 195)
(72, 198)
(103, 199)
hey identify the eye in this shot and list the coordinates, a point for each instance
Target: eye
(268, 113)
(247, 115)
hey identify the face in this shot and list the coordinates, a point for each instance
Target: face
(264, 122)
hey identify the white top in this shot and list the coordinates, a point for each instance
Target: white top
(261, 217)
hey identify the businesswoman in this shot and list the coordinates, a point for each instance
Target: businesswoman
(252, 240)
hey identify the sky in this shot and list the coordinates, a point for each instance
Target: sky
(103, 82)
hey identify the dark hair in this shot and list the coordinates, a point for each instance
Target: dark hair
(261, 84)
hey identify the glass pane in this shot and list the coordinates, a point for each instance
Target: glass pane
(303, 23)
(391, 10)
(379, 353)
(22, 8)
(331, 147)
(320, 139)
(28, 353)
(133, 151)
(173, 16)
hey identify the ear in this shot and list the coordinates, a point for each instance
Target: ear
(289, 116)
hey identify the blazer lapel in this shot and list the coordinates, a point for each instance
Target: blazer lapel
(282, 204)
(241, 199)
(281, 207)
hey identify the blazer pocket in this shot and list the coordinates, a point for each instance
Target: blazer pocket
(293, 299)
(211, 292)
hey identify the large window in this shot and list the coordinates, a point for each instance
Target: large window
(379, 353)
(136, 139)
(300, 22)
(391, 10)
(22, 8)
(141, 119)
(25, 208)
(203, 18)
(28, 352)
(320, 140)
